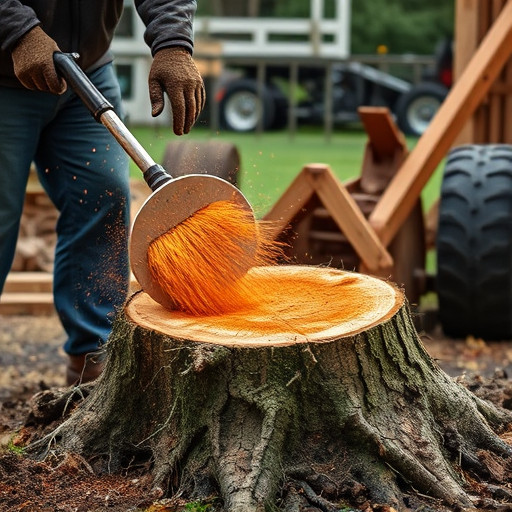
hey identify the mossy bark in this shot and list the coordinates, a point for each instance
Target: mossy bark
(371, 408)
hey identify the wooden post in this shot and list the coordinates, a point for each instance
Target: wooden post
(384, 152)
(490, 122)
(466, 42)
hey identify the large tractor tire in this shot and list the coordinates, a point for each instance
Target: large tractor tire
(474, 243)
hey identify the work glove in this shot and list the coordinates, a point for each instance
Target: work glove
(173, 71)
(33, 62)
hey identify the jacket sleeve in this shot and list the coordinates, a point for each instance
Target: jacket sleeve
(16, 20)
(168, 23)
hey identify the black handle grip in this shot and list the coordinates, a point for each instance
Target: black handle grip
(80, 83)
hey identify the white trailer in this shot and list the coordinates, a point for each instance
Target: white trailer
(246, 59)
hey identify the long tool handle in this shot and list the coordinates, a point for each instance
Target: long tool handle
(100, 108)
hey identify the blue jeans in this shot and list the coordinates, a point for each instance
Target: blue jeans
(85, 173)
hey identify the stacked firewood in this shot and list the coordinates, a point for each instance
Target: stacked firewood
(37, 237)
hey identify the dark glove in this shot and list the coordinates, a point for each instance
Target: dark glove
(173, 71)
(33, 62)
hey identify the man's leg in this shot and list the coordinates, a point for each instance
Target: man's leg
(85, 173)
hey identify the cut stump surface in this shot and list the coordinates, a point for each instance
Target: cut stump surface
(322, 387)
(295, 304)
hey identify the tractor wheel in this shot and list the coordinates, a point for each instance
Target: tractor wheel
(416, 108)
(241, 107)
(474, 243)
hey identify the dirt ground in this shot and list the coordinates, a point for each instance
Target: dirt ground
(32, 360)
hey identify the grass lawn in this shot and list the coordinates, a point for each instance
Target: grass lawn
(270, 161)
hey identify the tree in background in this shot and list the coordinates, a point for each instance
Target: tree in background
(402, 26)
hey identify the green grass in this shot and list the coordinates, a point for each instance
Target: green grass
(271, 160)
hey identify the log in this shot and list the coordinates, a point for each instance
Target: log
(322, 388)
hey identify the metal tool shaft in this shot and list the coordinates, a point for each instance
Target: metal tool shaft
(129, 143)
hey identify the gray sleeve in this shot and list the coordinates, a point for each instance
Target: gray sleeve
(16, 20)
(168, 23)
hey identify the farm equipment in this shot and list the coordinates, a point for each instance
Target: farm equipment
(265, 70)
(417, 106)
(244, 104)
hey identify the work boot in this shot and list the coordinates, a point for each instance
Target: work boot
(83, 368)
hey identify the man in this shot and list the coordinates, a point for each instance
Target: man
(79, 163)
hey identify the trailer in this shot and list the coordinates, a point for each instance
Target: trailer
(281, 71)
(265, 72)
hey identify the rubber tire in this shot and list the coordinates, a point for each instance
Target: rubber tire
(280, 105)
(474, 243)
(249, 88)
(429, 91)
(216, 158)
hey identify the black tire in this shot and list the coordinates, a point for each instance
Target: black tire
(474, 243)
(415, 109)
(240, 108)
(280, 101)
(216, 158)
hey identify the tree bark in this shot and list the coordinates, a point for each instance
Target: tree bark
(252, 410)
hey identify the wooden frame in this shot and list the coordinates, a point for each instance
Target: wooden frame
(319, 179)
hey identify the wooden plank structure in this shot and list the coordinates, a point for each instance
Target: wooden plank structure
(30, 293)
(27, 293)
(491, 122)
(466, 95)
(325, 221)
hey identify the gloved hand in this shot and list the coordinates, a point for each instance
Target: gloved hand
(33, 62)
(174, 71)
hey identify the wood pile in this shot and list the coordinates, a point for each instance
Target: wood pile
(37, 238)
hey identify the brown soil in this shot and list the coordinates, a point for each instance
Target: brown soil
(32, 360)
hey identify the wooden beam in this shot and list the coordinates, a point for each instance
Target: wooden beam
(29, 282)
(383, 134)
(495, 121)
(507, 108)
(467, 93)
(384, 152)
(320, 180)
(289, 205)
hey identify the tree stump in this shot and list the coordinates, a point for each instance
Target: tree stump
(328, 389)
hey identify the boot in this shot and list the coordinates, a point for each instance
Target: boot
(83, 368)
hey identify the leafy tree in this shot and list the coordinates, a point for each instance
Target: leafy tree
(402, 26)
